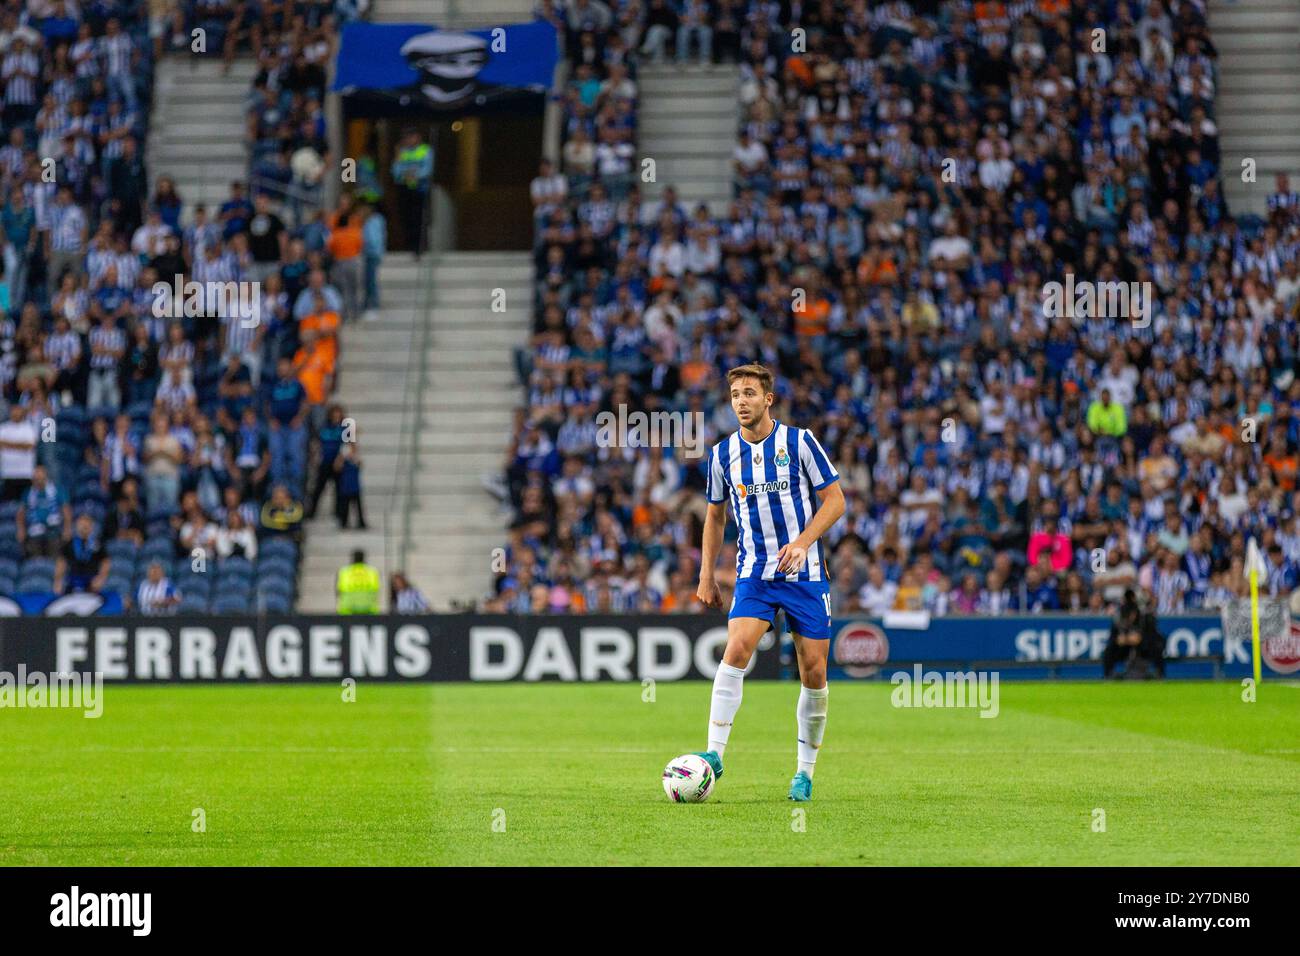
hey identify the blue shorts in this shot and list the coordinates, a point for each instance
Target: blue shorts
(807, 604)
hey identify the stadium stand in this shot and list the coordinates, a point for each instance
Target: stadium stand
(908, 184)
(178, 438)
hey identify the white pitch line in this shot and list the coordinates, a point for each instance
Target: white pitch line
(547, 750)
(217, 750)
(950, 752)
(1097, 752)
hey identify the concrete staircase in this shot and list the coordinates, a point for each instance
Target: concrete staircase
(1258, 99)
(379, 368)
(689, 116)
(196, 132)
(465, 421)
(461, 14)
(433, 391)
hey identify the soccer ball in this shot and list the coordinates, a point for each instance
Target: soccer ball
(688, 779)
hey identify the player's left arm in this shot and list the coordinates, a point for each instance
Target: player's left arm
(830, 509)
(816, 465)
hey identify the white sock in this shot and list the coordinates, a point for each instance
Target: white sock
(728, 685)
(811, 718)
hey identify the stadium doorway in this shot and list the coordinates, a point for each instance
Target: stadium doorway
(483, 165)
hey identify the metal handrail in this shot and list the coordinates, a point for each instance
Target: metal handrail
(412, 422)
(425, 319)
(289, 195)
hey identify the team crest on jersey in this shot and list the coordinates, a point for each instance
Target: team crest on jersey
(782, 459)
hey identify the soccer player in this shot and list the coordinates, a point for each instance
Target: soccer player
(770, 471)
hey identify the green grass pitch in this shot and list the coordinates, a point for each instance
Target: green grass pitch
(1186, 773)
(284, 775)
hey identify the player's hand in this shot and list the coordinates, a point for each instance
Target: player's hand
(791, 558)
(709, 594)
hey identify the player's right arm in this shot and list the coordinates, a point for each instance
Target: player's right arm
(715, 523)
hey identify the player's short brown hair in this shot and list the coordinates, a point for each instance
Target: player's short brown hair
(753, 370)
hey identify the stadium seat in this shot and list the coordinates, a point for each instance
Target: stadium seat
(157, 547)
(235, 568)
(281, 547)
(230, 604)
(275, 586)
(122, 549)
(276, 565)
(232, 588)
(124, 564)
(41, 564)
(90, 491)
(200, 584)
(193, 603)
(275, 603)
(122, 584)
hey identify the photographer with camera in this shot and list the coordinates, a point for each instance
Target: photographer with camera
(1134, 641)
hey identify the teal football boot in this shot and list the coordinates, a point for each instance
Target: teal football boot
(713, 760)
(801, 787)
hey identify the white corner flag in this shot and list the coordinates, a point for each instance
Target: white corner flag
(1255, 566)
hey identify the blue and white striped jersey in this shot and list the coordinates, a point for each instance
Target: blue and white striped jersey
(771, 485)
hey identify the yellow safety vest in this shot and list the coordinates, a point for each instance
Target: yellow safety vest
(358, 586)
(413, 154)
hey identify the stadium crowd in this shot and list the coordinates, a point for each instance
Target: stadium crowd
(909, 179)
(159, 452)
